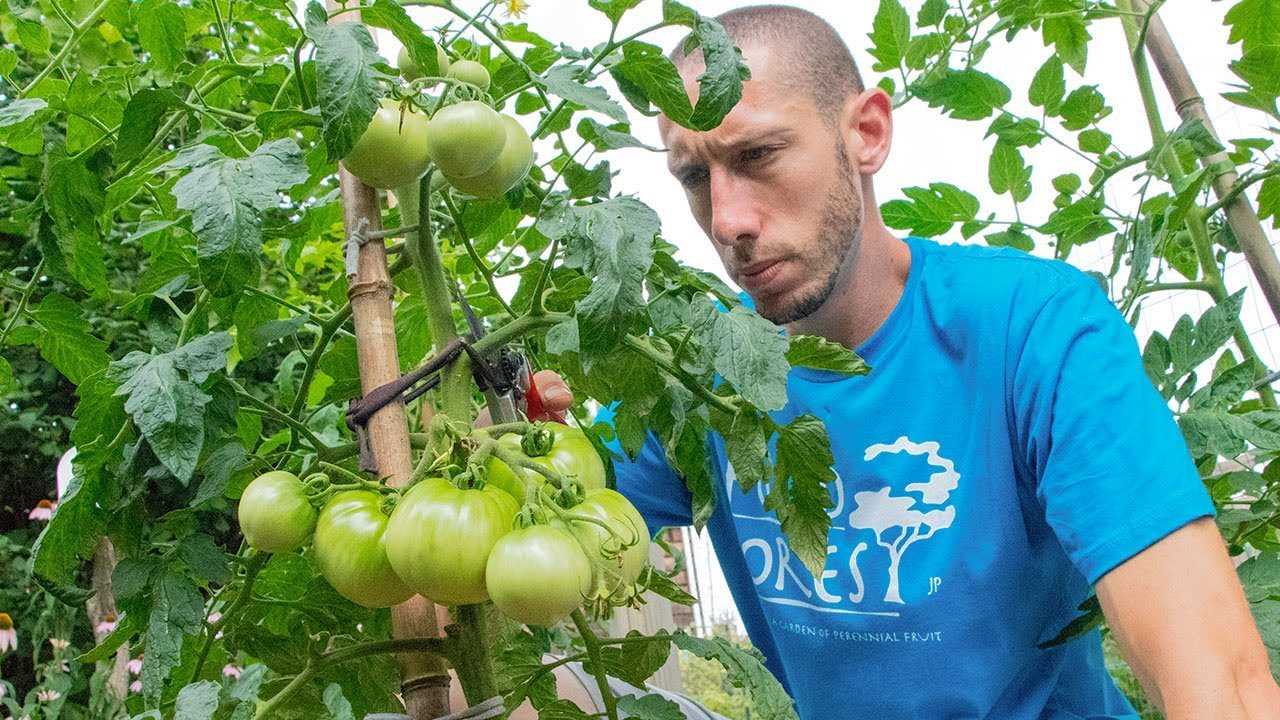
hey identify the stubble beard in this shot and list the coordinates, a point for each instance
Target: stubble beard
(839, 235)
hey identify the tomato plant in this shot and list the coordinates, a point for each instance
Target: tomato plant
(194, 297)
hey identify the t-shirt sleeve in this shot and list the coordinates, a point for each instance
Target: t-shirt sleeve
(1110, 466)
(648, 481)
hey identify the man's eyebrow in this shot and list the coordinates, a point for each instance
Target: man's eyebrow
(679, 160)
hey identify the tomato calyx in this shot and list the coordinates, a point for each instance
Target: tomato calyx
(538, 441)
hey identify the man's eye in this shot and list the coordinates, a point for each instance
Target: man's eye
(756, 154)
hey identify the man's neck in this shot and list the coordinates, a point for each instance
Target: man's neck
(866, 293)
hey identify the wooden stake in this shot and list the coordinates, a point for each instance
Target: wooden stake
(101, 608)
(1241, 217)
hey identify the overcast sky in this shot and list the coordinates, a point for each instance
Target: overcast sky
(929, 147)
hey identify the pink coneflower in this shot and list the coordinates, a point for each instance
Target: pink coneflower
(107, 625)
(8, 636)
(42, 511)
(231, 671)
(135, 666)
(48, 696)
(214, 617)
(135, 687)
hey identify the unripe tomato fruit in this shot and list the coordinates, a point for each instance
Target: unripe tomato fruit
(465, 139)
(538, 575)
(350, 550)
(439, 538)
(470, 71)
(409, 69)
(275, 514)
(611, 507)
(508, 170)
(571, 454)
(393, 149)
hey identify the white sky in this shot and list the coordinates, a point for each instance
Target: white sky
(929, 147)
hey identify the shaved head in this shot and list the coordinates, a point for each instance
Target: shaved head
(814, 56)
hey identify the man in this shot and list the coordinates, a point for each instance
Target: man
(1005, 457)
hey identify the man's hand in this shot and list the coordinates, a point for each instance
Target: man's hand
(1184, 625)
(555, 393)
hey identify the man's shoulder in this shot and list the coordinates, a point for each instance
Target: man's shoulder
(969, 274)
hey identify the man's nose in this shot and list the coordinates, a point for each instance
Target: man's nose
(735, 216)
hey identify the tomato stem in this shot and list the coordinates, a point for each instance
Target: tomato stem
(592, 643)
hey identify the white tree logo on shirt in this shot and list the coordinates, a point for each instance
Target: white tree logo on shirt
(894, 519)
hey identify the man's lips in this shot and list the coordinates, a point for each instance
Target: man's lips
(758, 275)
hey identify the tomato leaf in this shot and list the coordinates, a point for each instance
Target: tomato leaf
(611, 137)
(1260, 576)
(337, 704)
(74, 199)
(649, 707)
(1012, 237)
(800, 496)
(930, 211)
(162, 32)
(345, 78)
(814, 351)
(393, 17)
(1066, 31)
(177, 611)
(744, 668)
(890, 35)
(141, 121)
(635, 662)
(66, 341)
(661, 584)
(748, 351)
(77, 523)
(613, 9)
(1078, 223)
(518, 665)
(965, 94)
(1007, 172)
(226, 197)
(720, 84)
(168, 409)
(563, 80)
(197, 701)
(745, 445)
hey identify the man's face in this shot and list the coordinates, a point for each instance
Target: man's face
(773, 188)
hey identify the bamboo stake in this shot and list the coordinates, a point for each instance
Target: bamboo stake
(1241, 217)
(424, 678)
(101, 609)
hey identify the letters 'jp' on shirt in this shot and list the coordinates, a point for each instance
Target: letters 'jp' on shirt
(1004, 453)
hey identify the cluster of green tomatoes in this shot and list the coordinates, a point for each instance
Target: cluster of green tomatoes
(476, 149)
(528, 524)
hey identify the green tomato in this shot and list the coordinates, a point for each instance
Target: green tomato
(571, 454)
(465, 139)
(350, 550)
(439, 538)
(275, 514)
(410, 70)
(538, 575)
(393, 149)
(510, 168)
(621, 556)
(470, 71)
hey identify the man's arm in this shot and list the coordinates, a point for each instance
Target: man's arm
(1183, 624)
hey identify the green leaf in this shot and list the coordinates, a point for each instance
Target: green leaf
(649, 707)
(965, 94)
(392, 16)
(930, 211)
(635, 662)
(226, 197)
(74, 198)
(162, 32)
(612, 241)
(931, 13)
(1012, 238)
(517, 664)
(745, 446)
(1019, 132)
(1078, 223)
(8, 62)
(205, 558)
(613, 9)
(168, 409)
(1094, 141)
(197, 701)
(645, 75)
(890, 35)
(345, 78)
(817, 352)
(127, 627)
(1068, 183)
(1260, 576)
(33, 36)
(1083, 107)
(1008, 172)
(612, 137)
(1067, 33)
(142, 118)
(177, 611)
(1269, 200)
(20, 111)
(66, 341)
(1048, 86)
(337, 704)
(801, 495)
(688, 455)
(662, 585)
(563, 80)
(77, 522)
(6, 377)
(720, 84)
(1253, 23)
(1202, 141)
(744, 669)
(748, 351)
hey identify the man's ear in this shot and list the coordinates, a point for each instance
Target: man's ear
(866, 124)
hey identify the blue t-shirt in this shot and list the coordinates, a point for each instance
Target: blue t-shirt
(1004, 453)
